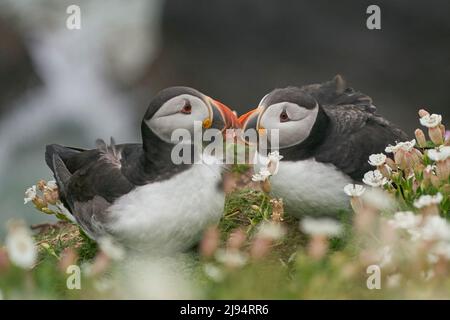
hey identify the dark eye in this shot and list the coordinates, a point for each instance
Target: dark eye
(187, 108)
(284, 116)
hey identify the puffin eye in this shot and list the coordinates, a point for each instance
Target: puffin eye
(284, 116)
(187, 108)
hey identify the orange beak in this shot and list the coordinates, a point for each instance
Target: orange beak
(229, 117)
(248, 117)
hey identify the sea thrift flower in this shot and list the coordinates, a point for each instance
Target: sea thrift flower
(274, 162)
(420, 138)
(20, 245)
(262, 175)
(405, 220)
(354, 190)
(374, 178)
(447, 135)
(433, 122)
(435, 228)
(377, 160)
(52, 185)
(271, 230)
(236, 239)
(68, 257)
(321, 226)
(440, 154)
(405, 146)
(319, 230)
(442, 157)
(30, 194)
(429, 204)
(423, 113)
(210, 242)
(213, 272)
(405, 155)
(231, 258)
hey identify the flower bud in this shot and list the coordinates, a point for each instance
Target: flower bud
(39, 203)
(420, 138)
(391, 163)
(443, 170)
(436, 135)
(236, 239)
(260, 247)
(51, 196)
(435, 181)
(318, 247)
(41, 185)
(210, 242)
(385, 170)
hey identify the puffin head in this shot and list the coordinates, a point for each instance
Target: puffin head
(184, 108)
(291, 111)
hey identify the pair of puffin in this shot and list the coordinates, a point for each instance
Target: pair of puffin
(136, 194)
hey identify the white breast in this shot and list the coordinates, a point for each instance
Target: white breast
(170, 215)
(309, 187)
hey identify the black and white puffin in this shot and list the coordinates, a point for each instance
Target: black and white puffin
(326, 134)
(134, 192)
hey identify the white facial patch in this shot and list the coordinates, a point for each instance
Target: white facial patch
(296, 129)
(169, 116)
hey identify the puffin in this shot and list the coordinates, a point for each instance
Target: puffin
(326, 133)
(135, 193)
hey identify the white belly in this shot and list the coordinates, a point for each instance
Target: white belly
(170, 215)
(309, 187)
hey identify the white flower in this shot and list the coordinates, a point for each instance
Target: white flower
(435, 228)
(110, 248)
(406, 146)
(377, 159)
(374, 178)
(354, 190)
(231, 257)
(427, 200)
(52, 185)
(213, 272)
(30, 194)
(271, 230)
(274, 162)
(262, 175)
(431, 121)
(275, 156)
(322, 226)
(429, 168)
(439, 154)
(20, 245)
(405, 220)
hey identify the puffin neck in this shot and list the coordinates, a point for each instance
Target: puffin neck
(156, 158)
(318, 134)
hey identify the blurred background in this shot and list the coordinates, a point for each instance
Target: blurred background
(73, 86)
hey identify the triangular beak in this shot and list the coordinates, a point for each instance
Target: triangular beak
(230, 118)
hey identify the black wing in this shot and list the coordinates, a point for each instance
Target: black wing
(355, 134)
(89, 181)
(337, 93)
